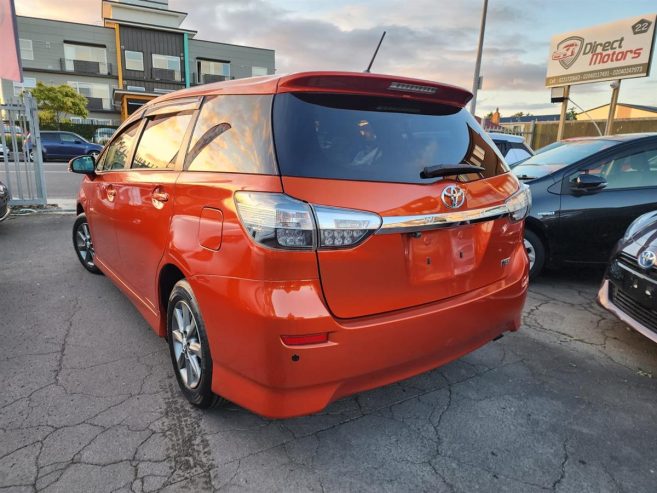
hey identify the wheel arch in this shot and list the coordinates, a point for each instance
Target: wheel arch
(169, 275)
(536, 227)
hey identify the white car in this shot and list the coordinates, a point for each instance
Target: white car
(513, 147)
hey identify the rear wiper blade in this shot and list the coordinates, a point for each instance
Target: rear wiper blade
(449, 169)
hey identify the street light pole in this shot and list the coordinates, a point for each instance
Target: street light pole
(475, 82)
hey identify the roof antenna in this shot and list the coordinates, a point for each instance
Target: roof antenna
(367, 70)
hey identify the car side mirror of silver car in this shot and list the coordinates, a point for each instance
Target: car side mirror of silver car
(85, 165)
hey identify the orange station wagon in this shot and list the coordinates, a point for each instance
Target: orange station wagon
(305, 237)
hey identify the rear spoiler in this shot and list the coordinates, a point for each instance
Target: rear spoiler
(374, 85)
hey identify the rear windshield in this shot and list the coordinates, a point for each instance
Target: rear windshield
(377, 139)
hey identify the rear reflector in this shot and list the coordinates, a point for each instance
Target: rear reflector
(302, 340)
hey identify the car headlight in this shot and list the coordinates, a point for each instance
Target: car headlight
(639, 223)
(519, 203)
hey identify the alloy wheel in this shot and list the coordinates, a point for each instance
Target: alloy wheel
(531, 253)
(186, 345)
(84, 245)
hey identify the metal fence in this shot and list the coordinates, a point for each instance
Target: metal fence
(20, 143)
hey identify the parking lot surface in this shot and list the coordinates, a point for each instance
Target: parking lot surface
(89, 402)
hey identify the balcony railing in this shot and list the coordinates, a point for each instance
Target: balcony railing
(165, 74)
(85, 66)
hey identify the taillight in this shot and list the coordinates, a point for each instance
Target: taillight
(519, 203)
(340, 228)
(276, 220)
(279, 221)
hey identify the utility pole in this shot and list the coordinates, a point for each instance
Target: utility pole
(475, 82)
(615, 86)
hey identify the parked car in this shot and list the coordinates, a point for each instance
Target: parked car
(629, 289)
(103, 134)
(585, 193)
(513, 147)
(63, 145)
(301, 238)
(4, 202)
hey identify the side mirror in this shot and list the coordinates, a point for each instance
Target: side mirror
(78, 141)
(85, 165)
(589, 183)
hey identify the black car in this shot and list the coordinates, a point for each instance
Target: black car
(585, 194)
(629, 289)
(4, 202)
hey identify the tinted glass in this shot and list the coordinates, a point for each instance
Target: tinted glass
(117, 153)
(638, 170)
(49, 137)
(233, 135)
(68, 138)
(160, 142)
(559, 157)
(376, 139)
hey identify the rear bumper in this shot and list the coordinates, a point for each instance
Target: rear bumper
(252, 367)
(5, 210)
(607, 304)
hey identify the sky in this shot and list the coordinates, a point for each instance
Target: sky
(428, 39)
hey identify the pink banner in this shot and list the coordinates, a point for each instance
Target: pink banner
(10, 60)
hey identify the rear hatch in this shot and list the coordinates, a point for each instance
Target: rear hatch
(368, 153)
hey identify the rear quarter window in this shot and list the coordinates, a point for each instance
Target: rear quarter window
(377, 139)
(233, 135)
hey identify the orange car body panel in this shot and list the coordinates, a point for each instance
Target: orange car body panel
(389, 311)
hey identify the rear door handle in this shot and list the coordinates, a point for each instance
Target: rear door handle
(159, 197)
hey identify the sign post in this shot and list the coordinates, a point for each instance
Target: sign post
(612, 106)
(614, 51)
(564, 110)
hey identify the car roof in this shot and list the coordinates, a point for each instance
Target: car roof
(335, 82)
(506, 137)
(617, 137)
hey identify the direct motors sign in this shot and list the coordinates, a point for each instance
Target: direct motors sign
(619, 50)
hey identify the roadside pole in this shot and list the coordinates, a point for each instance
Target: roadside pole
(564, 110)
(476, 81)
(612, 106)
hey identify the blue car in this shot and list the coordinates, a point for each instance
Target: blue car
(64, 145)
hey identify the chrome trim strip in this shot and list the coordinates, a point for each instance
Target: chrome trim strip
(636, 273)
(411, 224)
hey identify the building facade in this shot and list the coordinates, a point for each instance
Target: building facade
(138, 53)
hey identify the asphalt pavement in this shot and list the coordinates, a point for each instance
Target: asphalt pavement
(88, 401)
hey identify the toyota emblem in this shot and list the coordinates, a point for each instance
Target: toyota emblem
(647, 259)
(453, 196)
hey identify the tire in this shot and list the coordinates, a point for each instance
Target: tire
(536, 253)
(189, 348)
(83, 244)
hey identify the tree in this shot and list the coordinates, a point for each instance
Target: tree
(520, 113)
(54, 102)
(572, 114)
(489, 116)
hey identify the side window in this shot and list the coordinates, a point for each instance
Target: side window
(68, 138)
(233, 135)
(117, 153)
(160, 142)
(49, 137)
(638, 170)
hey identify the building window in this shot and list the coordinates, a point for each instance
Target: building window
(134, 60)
(98, 95)
(166, 67)
(27, 53)
(212, 71)
(85, 59)
(28, 83)
(256, 71)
